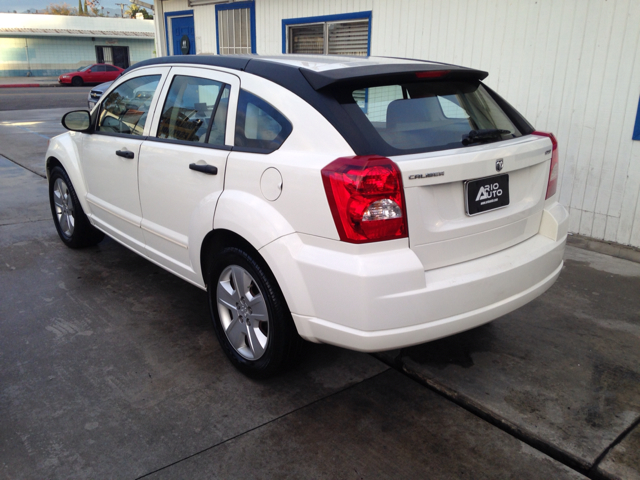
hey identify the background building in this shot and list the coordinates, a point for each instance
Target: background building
(570, 66)
(48, 45)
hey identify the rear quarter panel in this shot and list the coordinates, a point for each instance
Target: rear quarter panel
(302, 205)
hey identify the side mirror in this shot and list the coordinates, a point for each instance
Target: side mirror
(77, 121)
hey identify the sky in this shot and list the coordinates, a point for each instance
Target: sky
(21, 6)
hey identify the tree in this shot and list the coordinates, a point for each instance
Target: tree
(94, 6)
(79, 7)
(86, 12)
(133, 10)
(56, 9)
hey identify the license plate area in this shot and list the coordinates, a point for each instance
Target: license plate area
(486, 194)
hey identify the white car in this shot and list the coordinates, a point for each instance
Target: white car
(370, 203)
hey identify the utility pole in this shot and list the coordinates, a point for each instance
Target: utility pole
(121, 9)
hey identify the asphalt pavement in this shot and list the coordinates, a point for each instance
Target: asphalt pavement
(28, 98)
(109, 368)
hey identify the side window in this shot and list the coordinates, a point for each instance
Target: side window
(111, 68)
(99, 68)
(125, 109)
(259, 125)
(188, 111)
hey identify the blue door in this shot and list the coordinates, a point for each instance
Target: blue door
(182, 27)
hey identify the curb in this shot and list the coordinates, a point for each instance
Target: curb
(24, 85)
(608, 248)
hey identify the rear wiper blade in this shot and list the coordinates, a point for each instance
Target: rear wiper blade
(475, 136)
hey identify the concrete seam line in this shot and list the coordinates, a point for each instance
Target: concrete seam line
(22, 166)
(263, 425)
(593, 471)
(22, 223)
(511, 429)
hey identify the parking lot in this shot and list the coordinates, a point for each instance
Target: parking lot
(109, 368)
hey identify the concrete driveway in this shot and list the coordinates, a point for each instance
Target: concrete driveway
(109, 368)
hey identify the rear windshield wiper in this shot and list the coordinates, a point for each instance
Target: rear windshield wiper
(475, 136)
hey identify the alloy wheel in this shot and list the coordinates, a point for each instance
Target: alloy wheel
(243, 312)
(64, 207)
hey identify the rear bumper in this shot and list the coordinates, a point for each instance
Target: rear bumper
(317, 330)
(381, 300)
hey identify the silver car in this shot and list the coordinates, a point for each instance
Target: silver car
(96, 92)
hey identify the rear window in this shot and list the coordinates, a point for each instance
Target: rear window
(428, 116)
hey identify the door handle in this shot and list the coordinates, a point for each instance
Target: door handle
(208, 169)
(124, 153)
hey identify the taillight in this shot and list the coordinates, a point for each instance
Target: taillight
(366, 198)
(552, 186)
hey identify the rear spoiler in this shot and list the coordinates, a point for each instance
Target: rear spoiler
(390, 73)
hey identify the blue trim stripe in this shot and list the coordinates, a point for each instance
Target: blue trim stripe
(326, 18)
(166, 24)
(636, 128)
(236, 6)
(217, 33)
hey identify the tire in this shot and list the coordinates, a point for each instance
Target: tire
(250, 315)
(77, 82)
(72, 224)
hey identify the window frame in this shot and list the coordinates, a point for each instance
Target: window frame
(252, 20)
(325, 19)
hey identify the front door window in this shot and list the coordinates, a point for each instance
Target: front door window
(125, 110)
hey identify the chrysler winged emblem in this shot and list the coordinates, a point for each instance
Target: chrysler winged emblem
(499, 164)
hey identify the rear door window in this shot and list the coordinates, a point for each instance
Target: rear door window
(433, 115)
(188, 112)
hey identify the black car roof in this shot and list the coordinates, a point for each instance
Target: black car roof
(324, 81)
(335, 69)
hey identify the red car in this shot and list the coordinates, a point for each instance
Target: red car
(98, 73)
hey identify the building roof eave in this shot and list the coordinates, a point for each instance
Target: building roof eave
(39, 32)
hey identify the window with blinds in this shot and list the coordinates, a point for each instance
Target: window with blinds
(307, 39)
(234, 31)
(333, 38)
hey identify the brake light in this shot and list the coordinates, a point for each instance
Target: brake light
(366, 198)
(554, 170)
(432, 74)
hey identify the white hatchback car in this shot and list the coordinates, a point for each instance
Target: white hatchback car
(370, 203)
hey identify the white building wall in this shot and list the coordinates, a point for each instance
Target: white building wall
(570, 66)
(204, 24)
